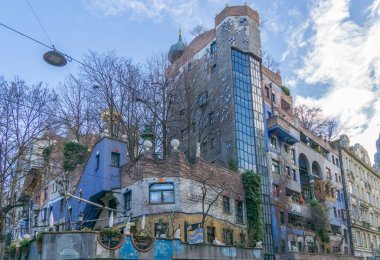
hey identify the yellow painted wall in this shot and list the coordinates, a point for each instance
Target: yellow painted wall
(178, 219)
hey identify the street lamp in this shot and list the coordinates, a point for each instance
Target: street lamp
(55, 58)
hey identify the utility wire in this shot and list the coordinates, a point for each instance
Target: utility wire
(69, 58)
(39, 21)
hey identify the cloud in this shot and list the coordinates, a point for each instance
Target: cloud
(184, 13)
(344, 55)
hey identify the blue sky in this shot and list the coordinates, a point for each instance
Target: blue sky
(329, 50)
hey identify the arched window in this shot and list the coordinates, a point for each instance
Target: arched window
(161, 193)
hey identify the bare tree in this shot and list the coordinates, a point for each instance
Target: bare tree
(112, 85)
(157, 97)
(312, 119)
(270, 62)
(197, 30)
(27, 112)
(75, 109)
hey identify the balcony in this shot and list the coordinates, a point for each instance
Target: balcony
(283, 129)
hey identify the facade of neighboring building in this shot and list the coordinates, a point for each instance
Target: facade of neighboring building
(363, 188)
(175, 194)
(377, 155)
(227, 119)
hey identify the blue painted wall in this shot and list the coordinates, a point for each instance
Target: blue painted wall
(94, 182)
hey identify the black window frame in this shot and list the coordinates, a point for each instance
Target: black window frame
(128, 200)
(162, 197)
(210, 234)
(97, 161)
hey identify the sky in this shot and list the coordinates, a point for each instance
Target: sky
(329, 50)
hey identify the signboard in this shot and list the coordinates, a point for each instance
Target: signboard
(196, 236)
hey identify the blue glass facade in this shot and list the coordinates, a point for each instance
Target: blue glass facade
(250, 132)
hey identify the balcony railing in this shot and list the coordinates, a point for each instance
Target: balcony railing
(283, 129)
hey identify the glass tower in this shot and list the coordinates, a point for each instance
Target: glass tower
(250, 134)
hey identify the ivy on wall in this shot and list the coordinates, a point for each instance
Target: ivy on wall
(320, 221)
(73, 154)
(253, 201)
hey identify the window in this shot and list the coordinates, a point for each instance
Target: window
(337, 195)
(336, 177)
(282, 217)
(226, 205)
(115, 159)
(97, 160)
(213, 48)
(161, 229)
(275, 167)
(211, 118)
(242, 238)
(46, 193)
(239, 212)
(210, 234)
(289, 171)
(293, 156)
(202, 99)
(273, 142)
(127, 200)
(267, 91)
(160, 193)
(214, 68)
(328, 173)
(286, 148)
(294, 175)
(358, 242)
(269, 114)
(228, 237)
(276, 190)
(273, 98)
(334, 211)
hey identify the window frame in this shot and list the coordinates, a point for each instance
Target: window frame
(113, 164)
(226, 204)
(127, 203)
(161, 191)
(275, 165)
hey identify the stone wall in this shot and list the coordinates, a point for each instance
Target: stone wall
(84, 245)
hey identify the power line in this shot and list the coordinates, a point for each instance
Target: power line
(39, 21)
(69, 58)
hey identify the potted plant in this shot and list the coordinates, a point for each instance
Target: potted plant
(39, 242)
(24, 245)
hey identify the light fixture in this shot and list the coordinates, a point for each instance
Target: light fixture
(55, 58)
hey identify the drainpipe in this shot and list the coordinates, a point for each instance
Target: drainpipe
(348, 214)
